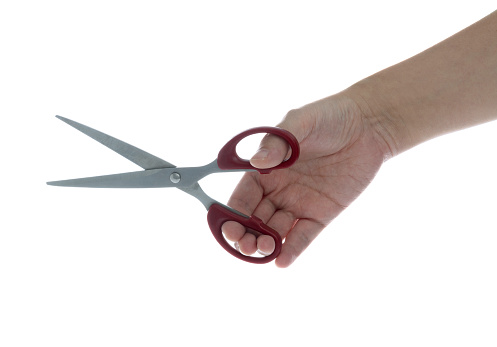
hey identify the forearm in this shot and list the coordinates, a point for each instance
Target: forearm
(451, 86)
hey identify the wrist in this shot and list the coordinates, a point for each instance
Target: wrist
(381, 116)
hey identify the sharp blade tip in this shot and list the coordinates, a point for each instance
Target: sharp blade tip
(56, 183)
(64, 119)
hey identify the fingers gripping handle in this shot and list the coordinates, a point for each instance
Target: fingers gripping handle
(228, 158)
(218, 215)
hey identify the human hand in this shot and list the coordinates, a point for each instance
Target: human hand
(345, 138)
(341, 151)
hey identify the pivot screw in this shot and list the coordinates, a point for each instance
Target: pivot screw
(175, 177)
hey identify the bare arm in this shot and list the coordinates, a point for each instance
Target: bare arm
(450, 86)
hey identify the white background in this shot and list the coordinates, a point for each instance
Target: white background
(411, 263)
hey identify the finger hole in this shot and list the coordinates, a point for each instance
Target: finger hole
(233, 231)
(245, 148)
(288, 154)
(265, 245)
(247, 244)
(245, 240)
(272, 151)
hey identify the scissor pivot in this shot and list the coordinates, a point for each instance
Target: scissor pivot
(175, 177)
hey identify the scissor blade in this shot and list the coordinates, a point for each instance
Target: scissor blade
(154, 178)
(132, 153)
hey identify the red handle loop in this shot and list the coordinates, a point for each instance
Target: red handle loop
(218, 215)
(228, 158)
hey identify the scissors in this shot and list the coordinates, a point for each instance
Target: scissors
(159, 173)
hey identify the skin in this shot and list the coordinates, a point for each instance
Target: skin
(345, 138)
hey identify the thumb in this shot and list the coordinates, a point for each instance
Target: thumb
(272, 151)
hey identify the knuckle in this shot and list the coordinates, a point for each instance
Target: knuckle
(292, 115)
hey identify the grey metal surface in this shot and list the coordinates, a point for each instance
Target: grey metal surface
(206, 200)
(139, 157)
(158, 173)
(197, 192)
(154, 178)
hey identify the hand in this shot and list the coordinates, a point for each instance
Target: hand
(340, 154)
(345, 138)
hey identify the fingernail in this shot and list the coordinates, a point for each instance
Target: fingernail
(263, 253)
(261, 154)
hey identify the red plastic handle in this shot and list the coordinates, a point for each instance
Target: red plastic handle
(228, 159)
(218, 215)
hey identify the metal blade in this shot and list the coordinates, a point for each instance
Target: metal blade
(154, 178)
(179, 177)
(132, 153)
